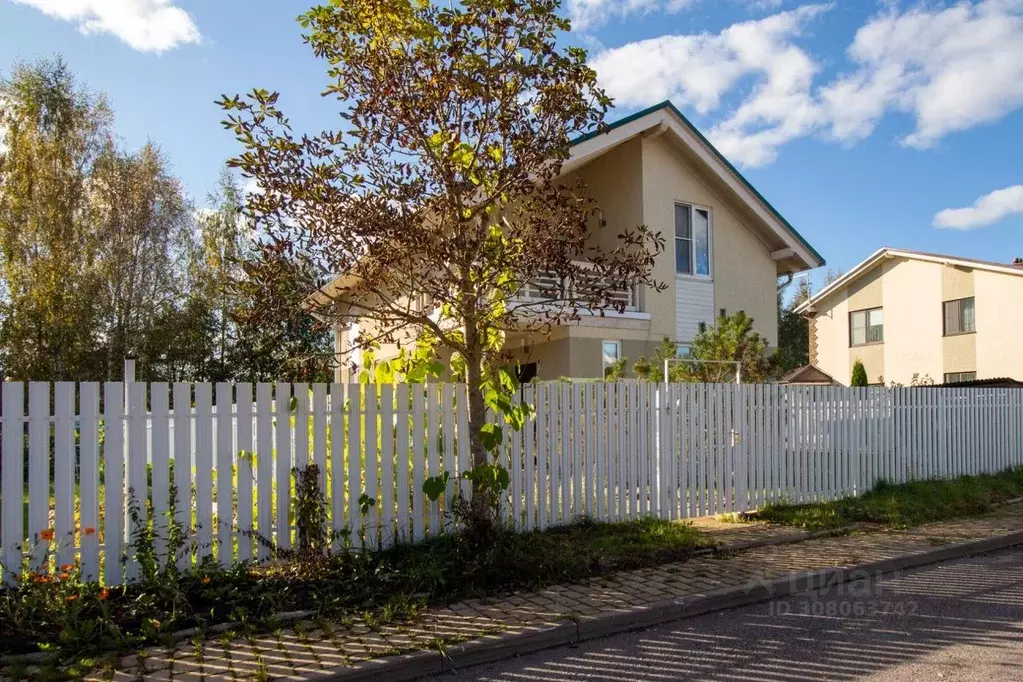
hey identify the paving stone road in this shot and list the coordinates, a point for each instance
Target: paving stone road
(311, 650)
(957, 621)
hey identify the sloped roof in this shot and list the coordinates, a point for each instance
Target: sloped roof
(667, 117)
(888, 252)
(807, 374)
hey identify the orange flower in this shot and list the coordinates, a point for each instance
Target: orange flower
(67, 568)
(206, 580)
(43, 579)
(63, 576)
(72, 597)
(103, 594)
(46, 534)
(155, 623)
(89, 531)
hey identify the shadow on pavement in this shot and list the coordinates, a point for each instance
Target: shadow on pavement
(841, 633)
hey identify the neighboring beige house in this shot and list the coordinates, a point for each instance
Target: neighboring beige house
(905, 312)
(727, 247)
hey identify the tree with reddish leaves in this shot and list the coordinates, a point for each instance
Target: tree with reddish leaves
(442, 193)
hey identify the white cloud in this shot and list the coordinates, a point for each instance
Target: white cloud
(986, 210)
(251, 186)
(762, 5)
(697, 71)
(590, 14)
(145, 25)
(951, 69)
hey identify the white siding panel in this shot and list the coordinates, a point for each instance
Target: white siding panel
(694, 303)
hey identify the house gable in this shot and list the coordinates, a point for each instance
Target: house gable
(741, 273)
(793, 252)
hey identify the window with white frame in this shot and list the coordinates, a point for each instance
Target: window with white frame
(866, 327)
(960, 316)
(611, 353)
(683, 350)
(953, 377)
(692, 240)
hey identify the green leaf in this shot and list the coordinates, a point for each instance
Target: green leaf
(383, 374)
(434, 486)
(491, 435)
(366, 502)
(293, 404)
(508, 379)
(503, 478)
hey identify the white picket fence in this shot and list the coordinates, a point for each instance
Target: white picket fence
(601, 451)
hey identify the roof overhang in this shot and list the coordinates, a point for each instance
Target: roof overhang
(331, 292)
(666, 119)
(886, 253)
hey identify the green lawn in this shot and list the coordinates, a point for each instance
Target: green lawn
(905, 505)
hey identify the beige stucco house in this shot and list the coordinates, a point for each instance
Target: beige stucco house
(905, 313)
(727, 247)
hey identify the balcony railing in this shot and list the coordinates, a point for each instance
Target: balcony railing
(551, 287)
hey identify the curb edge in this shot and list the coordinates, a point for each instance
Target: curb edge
(487, 650)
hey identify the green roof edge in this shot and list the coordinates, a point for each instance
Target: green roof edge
(667, 104)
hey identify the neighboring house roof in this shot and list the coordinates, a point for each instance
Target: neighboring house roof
(666, 117)
(888, 252)
(807, 374)
(1000, 382)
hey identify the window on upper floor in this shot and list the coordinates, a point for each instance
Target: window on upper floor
(692, 240)
(960, 316)
(953, 377)
(866, 327)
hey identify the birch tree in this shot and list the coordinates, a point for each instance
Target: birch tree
(143, 225)
(53, 132)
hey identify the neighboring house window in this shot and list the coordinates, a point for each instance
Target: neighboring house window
(612, 353)
(960, 317)
(865, 327)
(692, 240)
(682, 350)
(952, 377)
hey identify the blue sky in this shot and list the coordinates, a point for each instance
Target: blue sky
(865, 123)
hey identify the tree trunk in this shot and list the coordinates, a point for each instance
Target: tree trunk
(481, 509)
(477, 410)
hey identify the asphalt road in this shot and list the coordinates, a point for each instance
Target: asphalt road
(961, 620)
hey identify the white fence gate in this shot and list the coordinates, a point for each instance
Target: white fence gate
(75, 456)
